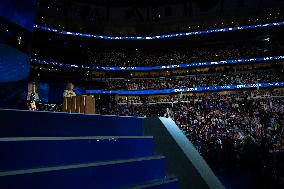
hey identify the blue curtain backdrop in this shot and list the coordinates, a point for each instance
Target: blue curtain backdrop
(16, 20)
(20, 12)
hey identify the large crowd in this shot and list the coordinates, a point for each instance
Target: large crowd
(154, 57)
(213, 116)
(219, 124)
(189, 81)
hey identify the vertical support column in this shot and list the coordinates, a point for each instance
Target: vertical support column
(90, 105)
(69, 104)
(83, 104)
(73, 107)
(78, 103)
(64, 104)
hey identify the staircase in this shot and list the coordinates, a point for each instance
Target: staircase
(57, 150)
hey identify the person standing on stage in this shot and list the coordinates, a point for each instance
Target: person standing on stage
(69, 91)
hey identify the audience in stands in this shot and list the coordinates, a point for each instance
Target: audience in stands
(189, 81)
(232, 132)
(138, 57)
(214, 120)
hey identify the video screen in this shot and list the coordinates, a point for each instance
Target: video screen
(20, 12)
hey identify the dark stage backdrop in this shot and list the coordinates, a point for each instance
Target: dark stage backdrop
(16, 26)
(20, 12)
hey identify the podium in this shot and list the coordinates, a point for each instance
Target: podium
(79, 104)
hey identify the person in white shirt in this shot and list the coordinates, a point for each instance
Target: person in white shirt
(69, 91)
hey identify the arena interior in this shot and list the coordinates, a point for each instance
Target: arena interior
(213, 67)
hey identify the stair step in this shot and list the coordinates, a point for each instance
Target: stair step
(47, 124)
(31, 152)
(100, 175)
(167, 183)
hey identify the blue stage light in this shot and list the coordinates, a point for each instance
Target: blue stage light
(193, 89)
(160, 36)
(149, 68)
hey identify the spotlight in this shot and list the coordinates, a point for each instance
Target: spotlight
(266, 39)
(19, 40)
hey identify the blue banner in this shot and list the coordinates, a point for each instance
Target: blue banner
(194, 89)
(159, 36)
